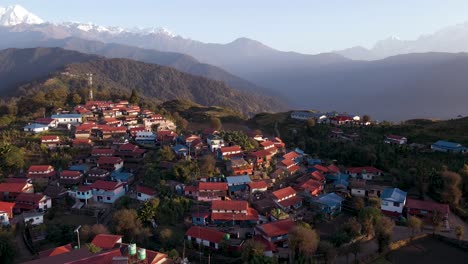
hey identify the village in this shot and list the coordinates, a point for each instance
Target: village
(253, 197)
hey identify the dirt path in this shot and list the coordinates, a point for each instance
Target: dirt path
(22, 252)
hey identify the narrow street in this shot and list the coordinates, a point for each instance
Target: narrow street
(22, 252)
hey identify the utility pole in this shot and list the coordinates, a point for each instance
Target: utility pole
(77, 231)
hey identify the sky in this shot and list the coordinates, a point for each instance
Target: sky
(306, 26)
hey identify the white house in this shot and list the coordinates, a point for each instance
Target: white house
(366, 173)
(145, 193)
(214, 142)
(4, 220)
(393, 200)
(35, 218)
(205, 236)
(68, 119)
(36, 128)
(145, 137)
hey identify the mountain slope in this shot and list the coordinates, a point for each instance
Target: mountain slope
(19, 66)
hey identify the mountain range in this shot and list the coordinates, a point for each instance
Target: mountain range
(351, 80)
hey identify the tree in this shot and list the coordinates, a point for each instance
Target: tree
(352, 227)
(366, 118)
(374, 202)
(311, 122)
(328, 250)
(383, 232)
(459, 232)
(415, 224)
(173, 254)
(252, 249)
(464, 175)
(87, 232)
(7, 246)
(358, 203)
(134, 97)
(451, 192)
(303, 242)
(76, 99)
(207, 165)
(93, 248)
(149, 210)
(368, 218)
(127, 223)
(215, 123)
(166, 153)
(11, 158)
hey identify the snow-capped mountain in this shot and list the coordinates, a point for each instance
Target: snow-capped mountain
(16, 14)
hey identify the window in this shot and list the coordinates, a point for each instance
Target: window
(139, 194)
(108, 198)
(396, 204)
(212, 244)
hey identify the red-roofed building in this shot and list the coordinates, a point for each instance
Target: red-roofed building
(260, 157)
(6, 212)
(293, 169)
(191, 191)
(232, 212)
(205, 236)
(101, 152)
(32, 201)
(131, 153)
(275, 232)
(111, 121)
(145, 193)
(50, 142)
(68, 177)
(366, 173)
(228, 152)
(107, 191)
(55, 251)
(320, 168)
(96, 174)
(396, 140)
(341, 120)
(135, 130)
(210, 191)
(279, 144)
(165, 136)
(333, 169)
(426, 209)
(269, 248)
(258, 186)
(110, 163)
(267, 145)
(82, 143)
(41, 173)
(287, 198)
(318, 176)
(46, 121)
(292, 155)
(106, 241)
(311, 187)
(10, 190)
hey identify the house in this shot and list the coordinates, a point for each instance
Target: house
(180, 150)
(122, 176)
(200, 218)
(329, 204)
(310, 188)
(268, 145)
(102, 152)
(332, 169)
(237, 183)
(306, 115)
(395, 140)
(190, 138)
(84, 193)
(144, 137)
(229, 152)
(32, 201)
(233, 212)
(209, 191)
(358, 187)
(131, 153)
(138, 129)
(106, 241)
(449, 147)
(6, 212)
(68, 119)
(145, 193)
(258, 186)
(341, 120)
(366, 173)
(238, 166)
(82, 143)
(33, 218)
(165, 136)
(110, 163)
(287, 198)
(50, 122)
(214, 142)
(205, 236)
(275, 232)
(35, 128)
(51, 142)
(293, 156)
(96, 174)
(41, 173)
(10, 189)
(55, 251)
(69, 177)
(393, 201)
(191, 191)
(260, 157)
(426, 209)
(318, 176)
(55, 192)
(107, 191)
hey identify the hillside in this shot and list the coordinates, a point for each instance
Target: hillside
(20, 66)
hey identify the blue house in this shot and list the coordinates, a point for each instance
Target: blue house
(329, 204)
(126, 177)
(180, 150)
(393, 201)
(200, 219)
(450, 147)
(336, 177)
(83, 168)
(238, 183)
(312, 161)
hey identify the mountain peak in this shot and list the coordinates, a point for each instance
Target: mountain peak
(16, 14)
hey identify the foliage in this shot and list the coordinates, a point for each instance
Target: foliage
(368, 218)
(11, 158)
(239, 138)
(185, 171)
(459, 232)
(207, 165)
(127, 223)
(166, 153)
(87, 232)
(303, 242)
(352, 227)
(415, 224)
(149, 210)
(172, 209)
(328, 250)
(383, 232)
(7, 246)
(451, 192)
(59, 233)
(173, 254)
(358, 203)
(93, 248)
(134, 99)
(375, 202)
(215, 123)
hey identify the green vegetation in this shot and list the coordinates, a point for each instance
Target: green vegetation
(7, 246)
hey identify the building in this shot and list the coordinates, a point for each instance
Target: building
(110, 163)
(275, 232)
(96, 174)
(69, 177)
(329, 204)
(205, 236)
(237, 183)
(358, 187)
(395, 140)
(35, 128)
(131, 153)
(51, 142)
(287, 198)
(229, 152)
(10, 189)
(233, 212)
(239, 166)
(32, 201)
(393, 201)
(68, 119)
(449, 147)
(145, 193)
(144, 137)
(258, 186)
(33, 218)
(50, 122)
(84, 193)
(106, 241)
(426, 209)
(209, 191)
(6, 212)
(306, 115)
(310, 188)
(107, 191)
(41, 173)
(214, 142)
(366, 173)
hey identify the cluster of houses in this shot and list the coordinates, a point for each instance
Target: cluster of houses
(334, 118)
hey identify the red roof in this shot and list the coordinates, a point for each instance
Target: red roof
(258, 185)
(427, 206)
(267, 144)
(106, 185)
(190, 188)
(81, 141)
(321, 168)
(55, 251)
(291, 155)
(50, 138)
(294, 168)
(287, 162)
(13, 187)
(127, 147)
(362, 169)
(317, 175)
(109, 160)
(311, 185)
(30, 197)
(277, 228)
(84, 188)
(213, 186)
(102, 151)
(250, 215)
(268, 245)
(7, 207)
(260, 153)
(40, 168)
(283, 193)
(291, 201)
(69, 173)
(395, 137)
(229, 205)
(145, 190)
(341, 118)
(206, 234)
(167, 133)
(231, 149)
(44, 120)
(106, 241)
(334, 169)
